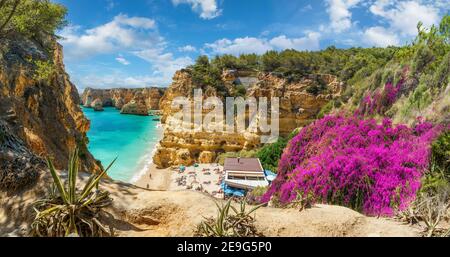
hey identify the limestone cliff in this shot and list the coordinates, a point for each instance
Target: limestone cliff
(129, 100)
(39, 110)
(300, 101)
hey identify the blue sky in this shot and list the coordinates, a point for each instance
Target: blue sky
(123, 43)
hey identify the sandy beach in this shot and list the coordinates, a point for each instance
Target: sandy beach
(205, 178)
(155, 179)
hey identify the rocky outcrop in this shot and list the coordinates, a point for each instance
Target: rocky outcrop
(129, 100)
(298, 106)
(41, 114)
(97, 105)
(300, 103)
(207, 157)
(137, 106)
(19, 167)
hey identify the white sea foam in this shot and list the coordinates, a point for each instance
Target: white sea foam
(146, 160)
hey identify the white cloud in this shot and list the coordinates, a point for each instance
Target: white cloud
(389, 22)
(306, 8)
(135, 22)
(310, 42)
(122, 32)
(164, 64)
(340, 15)
(379, 36)
(122, 60)
(403, 16)
(208, 9)
(239, 46)
(261, 45)
(132, 35)
(187, 48)
(118, 79)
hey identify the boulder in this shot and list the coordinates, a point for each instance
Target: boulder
(207, 157)
(167, 157)
(183, 157)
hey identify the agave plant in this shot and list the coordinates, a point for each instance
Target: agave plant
(239, 223)
(66, 211)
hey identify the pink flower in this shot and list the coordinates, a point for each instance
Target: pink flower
(354, 162)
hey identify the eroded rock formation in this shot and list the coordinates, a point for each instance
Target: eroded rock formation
(300, 103)
(129, 100)
(136, 106)
(97, 105)
(41, 114)
(19, 167)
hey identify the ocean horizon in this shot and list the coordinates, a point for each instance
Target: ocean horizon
(130, 138)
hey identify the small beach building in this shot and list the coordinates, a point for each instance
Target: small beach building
(244, 173)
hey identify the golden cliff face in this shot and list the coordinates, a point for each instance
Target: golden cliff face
(136, 101)
(43, 114)
(298, 107)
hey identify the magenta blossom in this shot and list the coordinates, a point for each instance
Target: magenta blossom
(375, 169)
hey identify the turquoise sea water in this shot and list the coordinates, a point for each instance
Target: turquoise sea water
(131, 138)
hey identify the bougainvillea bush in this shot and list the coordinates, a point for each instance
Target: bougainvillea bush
(380, 101)
(373, 168)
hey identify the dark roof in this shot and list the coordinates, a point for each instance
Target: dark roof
(243, 164)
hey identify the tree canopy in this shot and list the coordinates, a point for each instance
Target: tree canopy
(32, 18)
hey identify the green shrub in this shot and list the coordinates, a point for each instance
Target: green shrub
(409, 107)
(325, 109)
(423, 57)
(270, 154)
(442, 75)
(254, 196)
(431, 206)
(205, 75)
(44, 70)
(432, 202)
(271, 61)
(318, 88)
(441, 154)
(240, 91)
(433, 183)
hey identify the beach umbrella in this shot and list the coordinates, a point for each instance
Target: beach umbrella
(182, 168)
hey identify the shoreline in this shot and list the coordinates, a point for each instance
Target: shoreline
(155, 179)
(146, 161)
(206, 178)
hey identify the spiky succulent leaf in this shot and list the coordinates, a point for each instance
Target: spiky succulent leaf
(57, 181)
